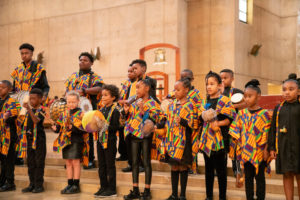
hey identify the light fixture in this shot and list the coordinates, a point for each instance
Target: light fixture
(96, 53)
(160, 57)
(255, 49)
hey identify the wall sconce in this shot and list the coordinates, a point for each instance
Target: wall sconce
(255, 49)
(40, 57)
(160, 57)
(96, 53)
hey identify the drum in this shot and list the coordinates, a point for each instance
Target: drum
(237, 98)
(94, 121)
(22, 97)
(165, 104)
(56, 108)
(85, 104)
(148, 128)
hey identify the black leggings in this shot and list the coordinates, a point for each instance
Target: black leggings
(144, 145)
(217, 161)
(250, 173)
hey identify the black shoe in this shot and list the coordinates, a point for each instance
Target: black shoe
(132, 195)
(73, 190)
(28, 189)
(182, 198)
(108, 193)
(172, 197)
(141, 169)
(145, 196)
(38, 190)
(90, 166)
(127, 169)
(99, 192)
(190, 171)
(121, 158)
(209, 198)
(64, 191)
(7, 187)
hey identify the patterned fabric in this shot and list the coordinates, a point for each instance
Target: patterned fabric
(64, 137)
(124, 89)
(277, 125)
(77, 81)
(211, 140)
(231, 92)
(250, 134)
(105, 135)
(22, 127)
(12, 107)
(136, 119)
(175, 139)
(24, 78)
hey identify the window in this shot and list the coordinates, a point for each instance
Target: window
(243, 10)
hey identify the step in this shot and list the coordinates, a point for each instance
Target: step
(156, 166)
(158, 191)
(274, 186)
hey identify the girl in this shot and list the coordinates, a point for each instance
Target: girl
(107, 145)
(214, 138)
(249, 131)
(72, 140)
(140, 112)
(177, 145)
(284, 137)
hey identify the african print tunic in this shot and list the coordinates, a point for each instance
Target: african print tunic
(249, 133)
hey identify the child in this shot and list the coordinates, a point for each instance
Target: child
(128, 90)
(227, 77)
(249, 131)
(107, 145)
(72, 140)
(9, 110)
(214, 139)
(36, 141)
(177, 145)
(141, 113)
(140, 67)
(284, 137)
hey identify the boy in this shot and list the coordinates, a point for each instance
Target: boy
(107, 144)
(227, 77)
(128, 90)
(9, 110)
(36, 141)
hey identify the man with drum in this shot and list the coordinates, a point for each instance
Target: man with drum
(28, 75)
(88, 84)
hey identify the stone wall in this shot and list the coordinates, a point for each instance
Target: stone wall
(63, 29)
(217, 39)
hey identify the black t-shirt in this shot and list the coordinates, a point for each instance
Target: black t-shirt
(114, 123)
(40, 127)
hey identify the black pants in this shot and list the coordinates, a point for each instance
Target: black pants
(8, 165)
(122, 144)
(107, 164)
(91, 151)
(250, 174)
(36, 162)
(128, 148)
(217, 161)
(136, 146)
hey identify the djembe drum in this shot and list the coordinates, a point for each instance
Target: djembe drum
(22, 97)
